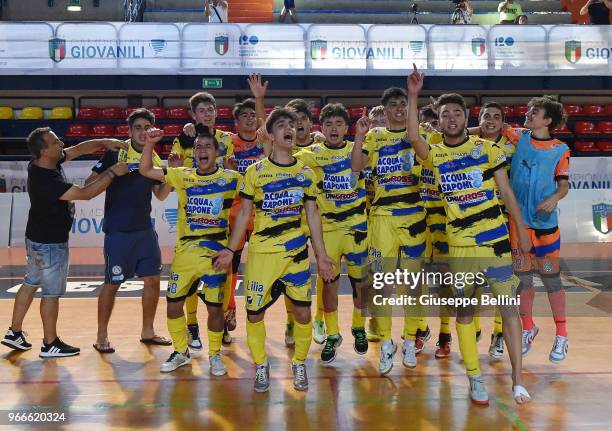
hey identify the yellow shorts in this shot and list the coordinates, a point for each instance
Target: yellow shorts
(192, 266)
(270, 274)
(397, 242)
(351, 244)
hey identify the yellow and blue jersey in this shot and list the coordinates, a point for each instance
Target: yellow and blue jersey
(183, 146)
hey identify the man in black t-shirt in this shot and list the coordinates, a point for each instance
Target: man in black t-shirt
(49, 222)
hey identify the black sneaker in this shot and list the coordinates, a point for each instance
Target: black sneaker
(16, 340)
(193, 341)
(361, 341)
(478, 334)
(332, 342)
(57, 349)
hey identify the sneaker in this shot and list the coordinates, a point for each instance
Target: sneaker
(227, 338)
(217, 367)
(559, 349)
(329, 351)
(319, 331)
(300, 379)
(230, 319)
(57, 349)
(193, 339)
(528, 337)
(361, 341)
(421, 338)
(289, 341)
(496, 349)
(444, 346)
(176, 360)
(478, 334)
(262, 378)
(373, 334)
(387, 352)
(16, 340)
(478, 391)
(409, 351)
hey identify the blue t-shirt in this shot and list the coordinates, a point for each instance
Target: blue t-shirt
(127, 207)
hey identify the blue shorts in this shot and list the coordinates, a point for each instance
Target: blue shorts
(129, 254)
(289, 4)
(47, 267)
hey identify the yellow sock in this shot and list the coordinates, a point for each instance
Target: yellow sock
(214, 342)
(302, 334)
(178, 332)
(384, 327)
(289, 307)
(476, 321)
(468, 347)
(423, 324)
(256, 339)
(411, 324)
(331, 322)
(191, 309)
(497, 326)
(320, 308)
(358, 318)
(445, 325)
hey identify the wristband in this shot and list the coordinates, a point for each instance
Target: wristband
(227, 248)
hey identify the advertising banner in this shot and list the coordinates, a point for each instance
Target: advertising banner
(152, 46)
(270, 46)
(210, 46)
(87, 46)
(580, 48)
(28, 46)
(518, 47)
(458, 47)
(397, 47)
(339, 47)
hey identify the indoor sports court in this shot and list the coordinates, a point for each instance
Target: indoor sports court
(165, 145)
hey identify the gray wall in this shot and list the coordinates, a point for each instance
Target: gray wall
(37, 10)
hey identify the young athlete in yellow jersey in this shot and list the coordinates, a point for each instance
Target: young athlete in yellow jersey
(469, 171)
(280, 187)
(342, 207)
(205, 196)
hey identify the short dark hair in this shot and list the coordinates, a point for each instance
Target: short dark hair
(241, 106)
(552, 109)
(450, 98)
(201, 97)
(334, 110)
(300, 106)
(140, 113)
(36, 141)
(428, 111)
(205, 133)
(277, 114)
(392, 93)
(491, 104)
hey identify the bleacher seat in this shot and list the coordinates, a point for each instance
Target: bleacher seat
(127, 111)
(158, 111)
(103, 130)
(224, 127)
(605, 127)
(352, 129)
(173, 129)
(609, 109)
(593, 110)
(474, 111)
(111, 113)
(316, 112)
(315, 128)
(87, 113)
(166, 149)
(122, 130)
(31, 113)
(583, 127)
(585, 146)
(78, 130)
(573, 110)
(224, 113)
(508, 111)
(520, 110)
(269, 109)
(178, 113)
(515, 125)
(562, 130)
(605, 146)
(355, 111)
(6, 113)
(61, 113)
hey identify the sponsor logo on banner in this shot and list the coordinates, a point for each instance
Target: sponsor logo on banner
(221, 44)
(171, 216)
(248, 40)
(602, 217)
(57, 49)
(573, 51)
(478, 46)
(416, 46)
(504, 41)
(318, 49)
(157, 45)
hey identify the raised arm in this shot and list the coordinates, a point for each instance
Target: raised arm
(258, 89)
(359, 159)
(96, 186)
(93, 145)
(415, 84)
(146, 167)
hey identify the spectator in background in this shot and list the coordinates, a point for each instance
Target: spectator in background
(377, 117)
(288, 6)
(216, 10)
(598, 11)
(522, 20)
(462, 13)
(509, 11)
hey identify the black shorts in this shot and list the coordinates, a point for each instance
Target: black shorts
(289, 4)
(129, 254)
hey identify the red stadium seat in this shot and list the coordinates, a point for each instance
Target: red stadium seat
(103, 130)
(158, 111)
(87, 113)
(605, 127)
(585, 127)
(224, 127)
(316, 111)
(122, 130)
(352, 129)
(474, 111)
(593, 110)
(127, 111)
(355, 111)
(515, 125)
(520, 110)
(178, 113)
(562, 130)
(78, 131)
(508, 111)
(166, 149)
(609, 109)
(573, 110)
(605, 146)
(111, 113)
(585, 146)
(269, 109)
(173, 129)
(224, 113)
(315, 128)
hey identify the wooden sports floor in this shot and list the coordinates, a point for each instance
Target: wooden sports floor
(126, 391)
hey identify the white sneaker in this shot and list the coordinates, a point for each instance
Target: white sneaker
(193, 340)
(175, 361)
(559, 349)
(318, 335)
(300, 378)
(496, 349)
(528, 337)
(262, 378)
(387, 352)
(478, 391)
(409, 351)
(217, 367)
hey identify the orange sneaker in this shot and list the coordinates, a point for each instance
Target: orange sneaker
(444, 348)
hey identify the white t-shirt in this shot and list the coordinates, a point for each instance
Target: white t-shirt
(221, 12)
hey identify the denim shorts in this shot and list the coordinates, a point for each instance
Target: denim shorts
(47, 267)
